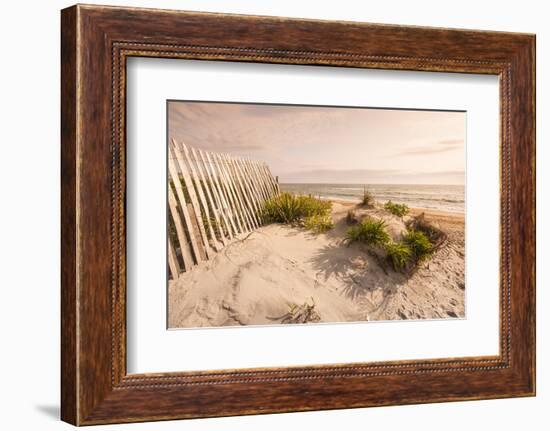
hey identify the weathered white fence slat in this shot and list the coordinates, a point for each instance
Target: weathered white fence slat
(257, 180)
(239, 190)
(176, 179)
(229, 195)
(202, 199)
(173, 260)
(181, 239)
(212, 198)
(192, 191)
(211, 202)
(218, 194)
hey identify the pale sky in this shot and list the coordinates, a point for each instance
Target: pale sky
(308, 144)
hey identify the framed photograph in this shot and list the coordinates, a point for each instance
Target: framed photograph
(341, 203)
(266, 215)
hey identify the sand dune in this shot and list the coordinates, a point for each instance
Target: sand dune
(257, 278)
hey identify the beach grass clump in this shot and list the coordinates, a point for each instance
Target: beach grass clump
(398, 210)
(368, 198)
(319, 223)
(289, 208)
(404, 255)
(419, 244)
(369, 231)
(315, 207)
(413, 248)
(399, 255)
(283, 208)
(436, 236)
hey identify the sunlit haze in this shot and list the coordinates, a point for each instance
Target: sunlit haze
(305, 144)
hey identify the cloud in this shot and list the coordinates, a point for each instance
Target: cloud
(338, 175)
(208, 127)
(438, 147)
(456, 173)
(324, 144)
(235, 146)
(452, 142)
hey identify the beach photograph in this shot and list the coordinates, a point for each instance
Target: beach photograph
(300, 214)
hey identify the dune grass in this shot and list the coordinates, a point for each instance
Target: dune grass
(368, 198)
(399, 255)
(319, 223)
(406, 254)
(306, 211)
(436, 236)
(398, 210)
(403, 255)
(370, 232)
(419, 244)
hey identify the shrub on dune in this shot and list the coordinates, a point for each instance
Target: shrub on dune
(370, 232)
(368, 198)
(419, 244)
(283, 208)
(398, 210)
(319, 223)
(399, 255)
(436, 236)
(314, 207)
(308, 211)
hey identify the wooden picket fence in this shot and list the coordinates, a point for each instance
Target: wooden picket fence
(212, 198)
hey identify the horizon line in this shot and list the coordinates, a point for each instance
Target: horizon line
(377, 184)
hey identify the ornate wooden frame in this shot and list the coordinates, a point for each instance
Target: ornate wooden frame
(95, 42)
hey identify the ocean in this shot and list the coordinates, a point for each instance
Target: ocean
(439, 197)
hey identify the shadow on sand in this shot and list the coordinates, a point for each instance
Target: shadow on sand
(359, 272)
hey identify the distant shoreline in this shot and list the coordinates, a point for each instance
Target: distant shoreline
(413, 210)
(434, 212)
(446, 198)
(367, 185)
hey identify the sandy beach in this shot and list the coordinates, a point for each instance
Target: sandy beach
(257, 278)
